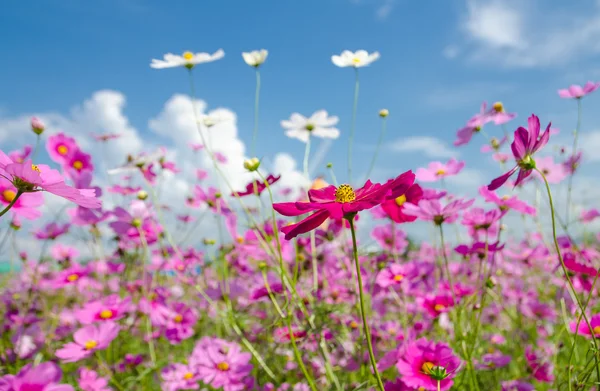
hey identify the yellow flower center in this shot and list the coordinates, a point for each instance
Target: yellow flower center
(188, 375)
(309, 127)
(77, 164)
(223, 366)
(427, 367)
(344, 194)
(62, 150)
(188, 55)
(72, 277)
(440, 172)
(106, 314)
(239, 239)
(596, 330)
(401, 200)
(398, 277)
(439, 307)
(356, 60)
(35, 168)
(499, 107)
(178, 318)
(421, 389)
(8, 195)
(89, 345)
(353, 324)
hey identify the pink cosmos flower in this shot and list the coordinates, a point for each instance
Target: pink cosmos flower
(51, 231)
(180, 322)
(554, 172)
(61, 147)
(77, 163)
(527, 142)
(420, 357)
(480, 223)
(465, 134)
(25, 206)
(516, 385)
(43, 377)
(107, 310)
(89, 380)
(257, 187)
(506, 202)
(587, 216)
(124, 190)
(221, 364)
(432, 210)
(578, 92)
(391, 240)
(29, 178)
(201, 174)
(106, 136)
(439, 170)
(495, 114)
(394, 208)
(394, 274)
(584, 329)
(540, 364)
(438, 304)
(340, 202)
(37, 125)
(501, 157)
(88, 340)
(572, 163)
(493, 360)
(19, 156)
(221, 158)
(494, 145)
(177, 377)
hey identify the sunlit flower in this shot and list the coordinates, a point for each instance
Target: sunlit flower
(88, 340)
(255, 58)
(358, 59)
(43, 377)
(318, 125)
(438, 170)
(578, 92)
(187, 59)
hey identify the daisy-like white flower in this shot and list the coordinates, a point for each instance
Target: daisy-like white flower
(255, 58)
(187, 59)
(318, 125)
(360, 58)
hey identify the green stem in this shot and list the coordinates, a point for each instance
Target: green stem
(379, 142)
(352, 126)
(362, 304)
(306, 155)
(573, 152)
(256, 101)
(564, 268)
(14, 200)
(37, 147)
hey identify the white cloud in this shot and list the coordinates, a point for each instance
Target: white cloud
(528, 33)
(589, 142)
(430, 146)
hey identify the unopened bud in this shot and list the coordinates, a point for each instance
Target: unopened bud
(208, 242)
(329, 165)
(142, 195)
(262, 265)
(384, 113)
(252, 164)
(37, 125)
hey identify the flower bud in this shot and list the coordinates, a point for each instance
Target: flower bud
(37, 125)
(142, 195)
(208, 242)
(384, 113)
(252, 164)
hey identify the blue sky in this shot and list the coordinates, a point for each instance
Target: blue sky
(439, 60)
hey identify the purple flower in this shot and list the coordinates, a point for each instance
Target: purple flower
(540, 364)
(177, 377)
(44, 377)
(89, 380)
(87, 340)
(394, 274)
(578, 92)
(526, 143)
(180, 323)
(516, 385)
(493, 361)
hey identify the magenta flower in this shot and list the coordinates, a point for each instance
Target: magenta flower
(493, 361)
(527, 142)
(77, 163)
(177, 377)
(88, 340)
(61, 148)
(19, 156)
(479, 222)
(572, 163)
(221, 364)
(506, 202)
(584, 329)
(109, 309)
(438, 304)
(516, 385)
(29, 178)
(540, 364)
(432, 210)
(394, 208)
(89, 380)
(578, 92)
(180, 323)
(51, 231)
(340, 202)
(389, 239)
(25, 206)
(257, 187)
(419, 358)
(588, 216)
(394, 274)
(439, 170)
(43, 377)
(123, 190)
(465, 134)
(495, 114)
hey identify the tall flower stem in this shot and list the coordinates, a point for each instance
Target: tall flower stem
(306, 155)
(573, 153)
(256, 101)
(379, 142)
(14, 200)
(362, 303)
(564, 268)
(352, 125)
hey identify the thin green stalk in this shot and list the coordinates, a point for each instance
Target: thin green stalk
(352, 126)
(271, 296)
(362, 304)
(564, 268)
(147, 288)
(332, 173)
(256, 101)
(306, 155)
(379, 142)
(14, 200)
(313, 255)
(573, 152)
(297, 354)
(37, 147)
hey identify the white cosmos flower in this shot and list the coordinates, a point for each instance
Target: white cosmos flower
(360, 58)
(256, 57)
(187, 59)
(318, 125)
